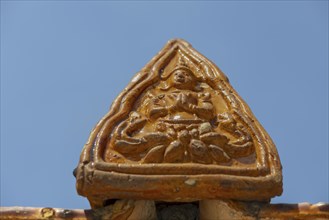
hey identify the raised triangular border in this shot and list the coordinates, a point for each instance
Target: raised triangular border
(100, 180)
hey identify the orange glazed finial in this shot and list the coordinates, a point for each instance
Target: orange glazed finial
(179, 132)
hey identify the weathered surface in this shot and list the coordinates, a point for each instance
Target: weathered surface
(179, 132)
(119, 210)
(184, 211)
(221, 210)
(43, 213)
(218, 209)
(295, 211)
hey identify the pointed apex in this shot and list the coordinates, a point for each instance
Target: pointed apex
(179, 132)
(179, 41)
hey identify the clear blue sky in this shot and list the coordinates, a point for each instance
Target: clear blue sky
(64, 62)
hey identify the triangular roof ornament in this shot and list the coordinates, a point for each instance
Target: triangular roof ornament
(179, 132)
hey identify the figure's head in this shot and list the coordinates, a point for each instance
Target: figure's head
(182, 79)
(181, 76)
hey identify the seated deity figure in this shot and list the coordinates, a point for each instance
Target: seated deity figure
(177, 122)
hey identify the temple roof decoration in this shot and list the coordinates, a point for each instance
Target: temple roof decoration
(179, 132)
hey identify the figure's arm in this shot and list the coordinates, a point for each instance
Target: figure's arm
(158, 112)
(205, 110)
(134, 126)
(155, 107)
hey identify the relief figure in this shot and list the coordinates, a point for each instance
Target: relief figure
(177, 122)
